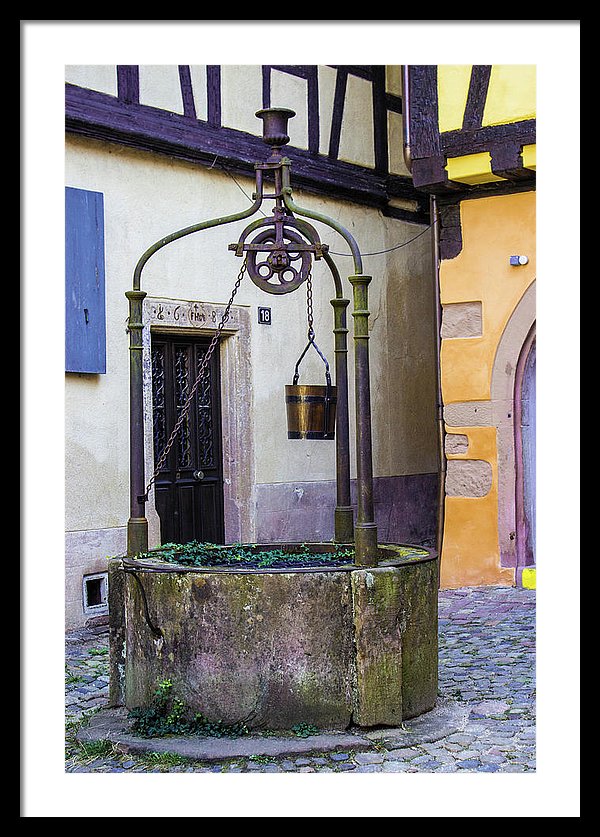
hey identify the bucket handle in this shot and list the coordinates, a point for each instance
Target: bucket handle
(311, 342)
(328, 399)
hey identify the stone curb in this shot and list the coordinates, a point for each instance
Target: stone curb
(111, 725)
(445, 719)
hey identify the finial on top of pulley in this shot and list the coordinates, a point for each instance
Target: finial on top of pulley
(275, 128)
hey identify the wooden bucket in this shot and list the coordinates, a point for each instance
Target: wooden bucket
(310, 411)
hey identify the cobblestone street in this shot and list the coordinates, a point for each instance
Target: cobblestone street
(486, 666)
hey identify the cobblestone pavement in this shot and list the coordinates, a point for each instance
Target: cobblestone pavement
(486, 664)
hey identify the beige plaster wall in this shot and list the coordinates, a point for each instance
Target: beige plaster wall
(147, 197)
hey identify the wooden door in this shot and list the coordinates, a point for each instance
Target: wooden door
(189, 488)
(528, 469)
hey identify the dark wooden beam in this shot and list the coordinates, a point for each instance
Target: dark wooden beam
(380, 127)
(507, 162)
(458, 143)
(424, 128)
(266, 86)
(338, 112)
(450, 231)
(313, 110)
(365, 71)
(128, 82)
(213, 90)
(299, 70)
(497, 187)
(187, 93)
(429, 172)
(394, 103)
(478, 88)
(106, 118)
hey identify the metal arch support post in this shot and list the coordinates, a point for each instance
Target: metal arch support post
(365, 530)
(137, 525)
(365, 534)
(344, 513)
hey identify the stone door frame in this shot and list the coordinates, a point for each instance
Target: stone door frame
(200, 318)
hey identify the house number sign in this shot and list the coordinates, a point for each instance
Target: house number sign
(264, 316)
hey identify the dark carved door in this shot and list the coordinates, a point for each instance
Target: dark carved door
(189, 488)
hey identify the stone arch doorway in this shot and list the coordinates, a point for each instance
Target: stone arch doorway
(525, 456)
(508, 376)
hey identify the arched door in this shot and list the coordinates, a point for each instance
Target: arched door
(525, 426)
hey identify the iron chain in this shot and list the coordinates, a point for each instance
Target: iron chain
(309, 307)
(201, 370)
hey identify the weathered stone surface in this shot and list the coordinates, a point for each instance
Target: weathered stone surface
(116, 629)
(419, 630)
(492, 707)
(275, 649)
(456, 443)
(469, 413)
(112, 725)
(461, 319)
(477, 626)
(270, 649)
(377, 604)
(468, 478)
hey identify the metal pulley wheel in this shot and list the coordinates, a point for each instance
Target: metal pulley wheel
(278, 269)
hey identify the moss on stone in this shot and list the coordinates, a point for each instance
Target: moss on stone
(376, 606)
(287, 648)
(419, 639)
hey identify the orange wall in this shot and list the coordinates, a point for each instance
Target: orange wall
(493, 229)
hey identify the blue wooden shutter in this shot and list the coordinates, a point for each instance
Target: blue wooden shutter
(85, 339)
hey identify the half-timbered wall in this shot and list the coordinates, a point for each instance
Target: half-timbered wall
(345, 139)
(472, 139)
(472, 125)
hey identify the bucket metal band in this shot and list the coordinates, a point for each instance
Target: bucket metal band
(309, 399)
(310, 434)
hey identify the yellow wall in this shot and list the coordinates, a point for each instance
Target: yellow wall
(493, 229)
(511, 94)
(511, 97)
(453, 88)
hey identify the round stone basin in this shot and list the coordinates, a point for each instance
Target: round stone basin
(330, 646)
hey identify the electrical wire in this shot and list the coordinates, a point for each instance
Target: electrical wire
(395, 247)
(332, 252)
(242, 190)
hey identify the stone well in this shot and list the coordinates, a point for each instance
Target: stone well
(274, 648)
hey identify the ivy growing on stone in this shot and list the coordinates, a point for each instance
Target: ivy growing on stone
(244, 556)
(168, 715)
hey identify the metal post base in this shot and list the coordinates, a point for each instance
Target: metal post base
(366, 549)
(137, 535)
(344, 524)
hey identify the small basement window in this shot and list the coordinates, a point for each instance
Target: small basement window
(95, 589)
